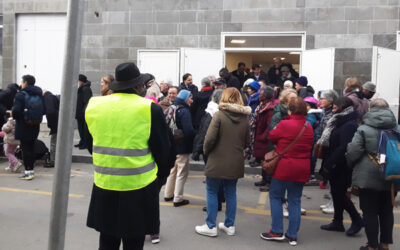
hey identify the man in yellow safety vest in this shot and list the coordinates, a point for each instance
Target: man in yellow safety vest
(130, 148)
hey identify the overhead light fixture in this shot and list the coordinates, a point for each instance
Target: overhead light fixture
(283, 58)
(238, 41)
(294, 53)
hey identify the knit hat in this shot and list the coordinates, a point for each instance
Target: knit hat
(285, 69)
(330, 95)
(184, 95)
(369, 86)
(302, 80)
(255, 85)
(311, 100)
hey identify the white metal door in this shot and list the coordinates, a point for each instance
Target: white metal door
(160, 63)
(40, 49)
(201, 63)
(318, 66)
(386, 75)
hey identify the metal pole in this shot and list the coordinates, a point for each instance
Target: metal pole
(65, 134)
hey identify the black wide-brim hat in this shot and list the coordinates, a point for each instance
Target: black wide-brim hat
(127, 75)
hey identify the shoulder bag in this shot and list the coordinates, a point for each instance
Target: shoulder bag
(272, 158)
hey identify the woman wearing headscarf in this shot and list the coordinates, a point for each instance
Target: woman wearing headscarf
(339, 132)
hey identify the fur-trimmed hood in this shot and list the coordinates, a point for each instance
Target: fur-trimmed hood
(234, 111)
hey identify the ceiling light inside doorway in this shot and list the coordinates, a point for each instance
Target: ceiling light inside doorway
(283, 58)
(295, 53)
(238, 41)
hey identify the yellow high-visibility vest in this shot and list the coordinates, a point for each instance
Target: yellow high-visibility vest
(120, 125)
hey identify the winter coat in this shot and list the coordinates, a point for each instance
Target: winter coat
(9, 130)
(198, 143)
(200, 102)
(192, 88)
(326, 115)
(184, 122)
(84, 95)
(52, 105)
(165, 103)
(227, 137)
(280, 113)
(24, 132)
(254, 101)
(360, 103)
(154, 91)
(262, 76)
(242, 77)
(263, 120)
(7, 100)
(294, 164)
(365, 141)
(314, 118)
(282, 80)
(232, 82)
(306, 92)
(334, 158)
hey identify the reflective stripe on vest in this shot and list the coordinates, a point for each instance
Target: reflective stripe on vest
(120, 125)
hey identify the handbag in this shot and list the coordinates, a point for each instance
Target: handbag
(272, 158)
(319, 150)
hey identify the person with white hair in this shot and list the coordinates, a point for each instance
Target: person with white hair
(165, 84)
(200, 101)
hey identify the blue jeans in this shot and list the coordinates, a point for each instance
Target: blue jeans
(212, 187)
(276, 195)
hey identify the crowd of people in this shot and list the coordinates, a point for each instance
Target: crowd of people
(142, 134)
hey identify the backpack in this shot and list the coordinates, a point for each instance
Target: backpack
(170, 118)
(34, 109)
(388, 157)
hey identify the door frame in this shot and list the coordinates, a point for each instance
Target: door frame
(398, 40)
(275, 33)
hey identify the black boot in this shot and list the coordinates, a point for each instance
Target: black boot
(355, 228)
(333, 226)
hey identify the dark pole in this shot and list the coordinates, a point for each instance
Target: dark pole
(65, 134)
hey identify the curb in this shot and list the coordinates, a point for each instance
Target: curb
(194, 165)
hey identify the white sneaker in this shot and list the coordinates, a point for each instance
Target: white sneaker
(303, 211)
(329, 209)
(285, 210)
(228, 230)
(17, 167)
(330, 203)
(205, 230)
(8, 168)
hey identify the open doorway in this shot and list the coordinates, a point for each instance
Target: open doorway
(263, 58)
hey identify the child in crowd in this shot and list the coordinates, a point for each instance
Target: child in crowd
(11, 145)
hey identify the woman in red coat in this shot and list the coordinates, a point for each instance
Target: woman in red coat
(263, 117)
(292, 172)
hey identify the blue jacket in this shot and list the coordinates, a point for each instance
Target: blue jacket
(24, 132)
(254, 101)
(184, 122)
(314, 119)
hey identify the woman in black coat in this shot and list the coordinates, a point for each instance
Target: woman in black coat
(338, 133)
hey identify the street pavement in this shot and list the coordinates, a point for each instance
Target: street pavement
(25, 208)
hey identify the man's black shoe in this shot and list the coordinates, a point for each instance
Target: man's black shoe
(355, 228)
(77, 145)
(333, 226)
(169, 199)
(82, 147)
(181, 203)
(260, 183)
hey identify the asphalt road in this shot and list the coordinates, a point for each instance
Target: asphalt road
(25, 206)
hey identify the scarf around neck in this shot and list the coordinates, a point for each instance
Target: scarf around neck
(330, 126)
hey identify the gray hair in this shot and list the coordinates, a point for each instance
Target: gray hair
(330, 95)
(216, 96)
(205, 82)
(212, 78)
(167, 81)
(379, 103)
(268, 92)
